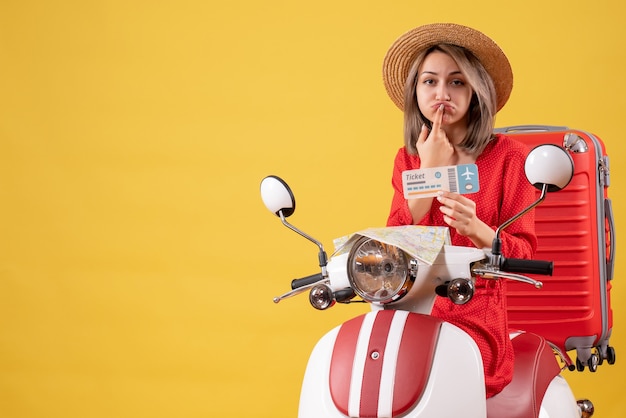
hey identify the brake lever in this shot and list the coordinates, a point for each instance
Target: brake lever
(487, 273)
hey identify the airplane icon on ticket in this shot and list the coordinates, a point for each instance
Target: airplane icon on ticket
(468, 174)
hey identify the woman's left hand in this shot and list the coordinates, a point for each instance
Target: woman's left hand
(459, 213)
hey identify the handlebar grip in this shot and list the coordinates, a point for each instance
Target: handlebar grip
(305, 281)
(520, 265)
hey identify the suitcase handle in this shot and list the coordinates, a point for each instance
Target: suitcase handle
(610, 262)
(530, 128)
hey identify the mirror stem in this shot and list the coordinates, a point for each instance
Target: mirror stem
(496, 249)
(323, 259)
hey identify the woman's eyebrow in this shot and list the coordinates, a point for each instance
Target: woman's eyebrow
(456, 72)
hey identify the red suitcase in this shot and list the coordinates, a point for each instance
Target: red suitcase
(575, 229)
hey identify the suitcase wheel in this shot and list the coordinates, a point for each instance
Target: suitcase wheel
(610, 355)
(607, 353)
(592, 363)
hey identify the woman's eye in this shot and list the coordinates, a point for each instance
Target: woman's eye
(457, 83)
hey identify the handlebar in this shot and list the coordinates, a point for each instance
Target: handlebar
(520, 265)
(306, 281)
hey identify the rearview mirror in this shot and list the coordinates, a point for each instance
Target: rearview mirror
(549, 165)
(277, 196)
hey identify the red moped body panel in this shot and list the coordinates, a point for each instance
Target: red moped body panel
(361, 351)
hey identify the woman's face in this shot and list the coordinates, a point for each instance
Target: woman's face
(440, 81)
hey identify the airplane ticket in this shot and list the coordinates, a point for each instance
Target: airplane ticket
(427, 182)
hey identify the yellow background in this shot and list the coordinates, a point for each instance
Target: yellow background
(137, 262)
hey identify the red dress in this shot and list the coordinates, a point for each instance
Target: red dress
(504, 192)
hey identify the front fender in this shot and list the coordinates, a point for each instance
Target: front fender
(394, 363)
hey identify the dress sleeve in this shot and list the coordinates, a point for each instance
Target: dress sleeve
(399, 213)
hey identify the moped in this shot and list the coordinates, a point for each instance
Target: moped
(397, 360)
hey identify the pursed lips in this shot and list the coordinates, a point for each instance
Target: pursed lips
(446, 106)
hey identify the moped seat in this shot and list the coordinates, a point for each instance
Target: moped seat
(535, 367)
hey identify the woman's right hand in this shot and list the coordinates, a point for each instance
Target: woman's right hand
(434, 147)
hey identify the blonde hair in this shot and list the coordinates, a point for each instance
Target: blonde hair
(482, 110)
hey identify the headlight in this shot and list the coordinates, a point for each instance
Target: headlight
(378, 272)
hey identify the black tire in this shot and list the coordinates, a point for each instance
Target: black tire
(593, 363)
(610, 355)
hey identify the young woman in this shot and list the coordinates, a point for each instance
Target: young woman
(450, 81)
